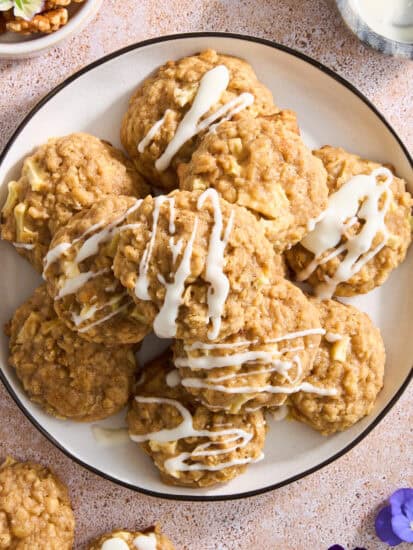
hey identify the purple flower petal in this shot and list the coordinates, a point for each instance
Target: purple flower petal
(398, 498)
(402, 527)
(408, 509)
(384, 529)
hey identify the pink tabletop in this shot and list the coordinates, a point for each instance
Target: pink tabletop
(335, 505)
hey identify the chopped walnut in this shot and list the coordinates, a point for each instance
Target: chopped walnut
(46, 22)
(53, 17)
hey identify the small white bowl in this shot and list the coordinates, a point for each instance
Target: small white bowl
(17, 46)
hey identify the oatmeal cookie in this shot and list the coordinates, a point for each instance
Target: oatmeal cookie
(371, 241)
(79, 276)
(350, 361)
(66, 375)
(151, 538)
(35, 509)
(169, 94)
(260, 164)
(261, 364)
(190, 445)
(192, 263)
(61, 178)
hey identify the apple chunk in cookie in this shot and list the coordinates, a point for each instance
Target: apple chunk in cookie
(189, 444)
(350, 361)
(63, 373)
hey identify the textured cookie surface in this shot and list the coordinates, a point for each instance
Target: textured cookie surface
(149, 539)
(66, 375)
(87, 296)
(35, 510)
(261, 364)
(168, 95)
(189, 258)
(341, 166)
(261, 164)
(61, 178)
(350, 361)
(189, 444)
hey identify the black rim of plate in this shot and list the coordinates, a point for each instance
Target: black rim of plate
(324, 69)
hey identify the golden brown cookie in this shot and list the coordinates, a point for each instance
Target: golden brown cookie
(260, 164)
(385, 250)
(166, 97)
(66, 375)
(190, 445)
(61, 178)
(264, 362)
(79, 276)
(192, 263)
(350, 361)
(35, 509)
(149, 539)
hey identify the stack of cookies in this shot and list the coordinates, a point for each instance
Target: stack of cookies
(223, 233)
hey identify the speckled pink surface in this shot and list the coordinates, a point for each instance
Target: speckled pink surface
(335, 505)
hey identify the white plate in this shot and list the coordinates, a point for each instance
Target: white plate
(330, 111)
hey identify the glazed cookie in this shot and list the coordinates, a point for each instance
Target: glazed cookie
(189, 444)
(172, 108)
(61, 178)
(260, 164)
(350, 361)
(192, 262)
(364, 233)
(78, 271)
(149, 539)
(35, 510)
(261, 364)
(66, 375)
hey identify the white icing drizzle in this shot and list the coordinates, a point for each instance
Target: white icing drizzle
(142, 283)
(143, 144)
(214, 273)
(176, 248)
(145, 542)
(241, 343)
(80, 318)
(89, 248)
(227, 111)
(201, 345)
(164, 324)
(54, 254)
(26, 246)
(72, 285)
(115, 543)
(333, 337)
(282, 367)
(110, 436)
(358, 198)
(208, 362)
(105, 317)
(212, 85)
(173, 378)
(304, 386)
(236, 436)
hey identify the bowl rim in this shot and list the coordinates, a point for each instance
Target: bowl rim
(30, 47)
(321, 67)
(366, 34)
